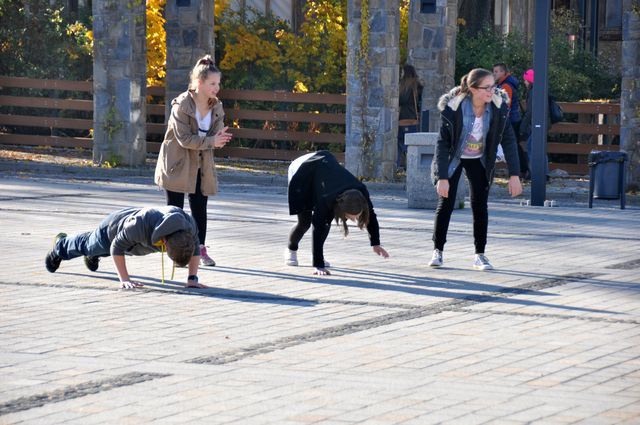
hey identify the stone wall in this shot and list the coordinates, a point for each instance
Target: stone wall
(431, 50)
(119, 82)
(372, 88)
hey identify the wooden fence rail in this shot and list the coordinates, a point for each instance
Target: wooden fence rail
(263, 117)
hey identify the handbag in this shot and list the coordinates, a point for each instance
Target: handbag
(408, 121)
(555, 111)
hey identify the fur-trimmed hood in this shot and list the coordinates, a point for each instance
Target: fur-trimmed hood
(454, 98)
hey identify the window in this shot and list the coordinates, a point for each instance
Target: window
(502, 15)
(613, 15)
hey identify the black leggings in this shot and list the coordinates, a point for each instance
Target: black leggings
(479, 186)
(198, 205)
(300, 228)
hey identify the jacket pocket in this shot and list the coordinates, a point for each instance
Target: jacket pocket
(175, 168)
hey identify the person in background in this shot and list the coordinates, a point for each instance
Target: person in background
(525, 126)
(509, 83)
(410, 100)
(185, 162)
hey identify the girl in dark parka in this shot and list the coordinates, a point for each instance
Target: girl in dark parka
(321, 190)
(475, 119)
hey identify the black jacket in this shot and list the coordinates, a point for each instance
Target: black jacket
(408, 104)
(500, 132)
(315, 187)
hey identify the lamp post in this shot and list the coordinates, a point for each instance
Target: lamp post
(540, 103)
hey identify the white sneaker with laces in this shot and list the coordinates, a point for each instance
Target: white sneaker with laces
(290, 257)
(436, 259)
(482, 263)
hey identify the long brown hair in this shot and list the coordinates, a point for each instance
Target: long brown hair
(351, 201)
(409, 81)
(473, 78)
(201, 71)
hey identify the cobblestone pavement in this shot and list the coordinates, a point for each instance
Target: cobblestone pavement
(551, 336)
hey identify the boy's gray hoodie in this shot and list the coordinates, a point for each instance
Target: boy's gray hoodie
(138, 231)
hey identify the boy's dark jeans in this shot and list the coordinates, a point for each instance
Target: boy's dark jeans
(479, 186)
(90, 244)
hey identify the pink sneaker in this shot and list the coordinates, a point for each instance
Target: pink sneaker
(205, 260)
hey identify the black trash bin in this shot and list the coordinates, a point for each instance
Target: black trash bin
(606, 176)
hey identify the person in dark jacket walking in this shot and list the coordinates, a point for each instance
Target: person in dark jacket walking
(133, 231)
(525, 127)
(321, 190)
(409, 101)
(509, 83)
(474, 122)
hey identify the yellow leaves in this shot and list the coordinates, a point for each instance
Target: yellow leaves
(250, 47)
(219, 7)
(300, 87)
(156, 43)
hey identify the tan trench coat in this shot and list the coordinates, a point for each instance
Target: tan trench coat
(184, 152)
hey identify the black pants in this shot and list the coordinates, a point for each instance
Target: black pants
(479, 186)
(299, 229)
(522, 154)
(198, 205)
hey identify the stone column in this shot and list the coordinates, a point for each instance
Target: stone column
(431, 50)
(373, 55)
(119, 82)
(189, 29)
(630, 98)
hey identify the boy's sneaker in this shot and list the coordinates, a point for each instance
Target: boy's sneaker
(482, 263)
(436, 258)
(290, 257)
(92, 263)
(205, 260)
(52, 260)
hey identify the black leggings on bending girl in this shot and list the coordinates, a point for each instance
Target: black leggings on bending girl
(299, 229)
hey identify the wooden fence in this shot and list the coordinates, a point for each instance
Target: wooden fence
(287, 123)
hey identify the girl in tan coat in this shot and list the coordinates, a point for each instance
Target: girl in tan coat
(185, 163)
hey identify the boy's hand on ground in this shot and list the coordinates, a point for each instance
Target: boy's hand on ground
(130, 284)
(380, 251)
(194, 284)
(321, 271)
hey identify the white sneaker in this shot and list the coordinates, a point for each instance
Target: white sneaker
(290, 257)
(436, 258)
(482, 263)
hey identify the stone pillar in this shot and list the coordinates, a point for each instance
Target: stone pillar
(431, 50)
(421, 193)
(119, 82)
(189, 29)
(373, 55)
(630, 98)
